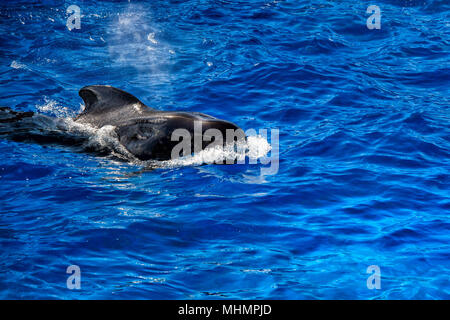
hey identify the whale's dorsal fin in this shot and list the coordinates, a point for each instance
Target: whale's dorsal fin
(107, 105)
(100, 99)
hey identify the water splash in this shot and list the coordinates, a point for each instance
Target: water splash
(102, 139)
(254, 148)
(51, 107)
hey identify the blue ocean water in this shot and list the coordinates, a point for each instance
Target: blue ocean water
(364, 151)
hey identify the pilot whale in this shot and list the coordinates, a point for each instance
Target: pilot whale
(145, 132)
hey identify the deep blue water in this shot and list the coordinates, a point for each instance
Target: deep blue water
(364, 151)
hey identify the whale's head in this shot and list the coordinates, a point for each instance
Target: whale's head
(170, 135)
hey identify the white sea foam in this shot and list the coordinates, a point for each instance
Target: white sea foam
(101, 139)
(18, 65)
(258, 147)
(254, 148)
(51, 107)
